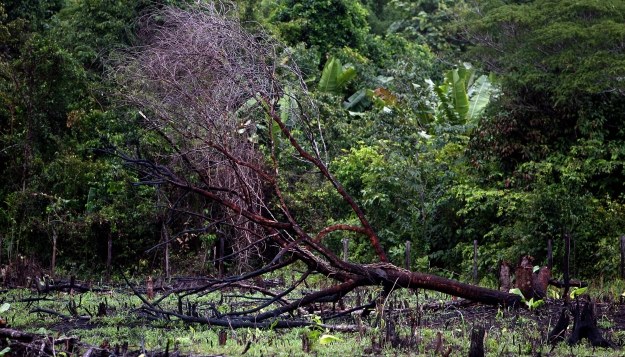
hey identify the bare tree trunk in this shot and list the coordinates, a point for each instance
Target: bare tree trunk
(222, 253)
(55, 237)
(165, 239)
(565, 265)
(109, 253)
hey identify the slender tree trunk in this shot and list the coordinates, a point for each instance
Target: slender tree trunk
(55, 237)
(109, 254)
(1, 244)
(565, 265)
(222, 243)
(165, 237)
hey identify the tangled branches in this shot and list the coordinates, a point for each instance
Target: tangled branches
(191, 79)
(227, 104)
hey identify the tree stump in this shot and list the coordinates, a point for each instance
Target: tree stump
(505, 279)
(559, 330)
(524, 276)
(477, 342)
(532, 285)
(540, 282)
(223, 337)
(585, 325)
(306, 343)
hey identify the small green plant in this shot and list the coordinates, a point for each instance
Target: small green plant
(554, 293)
(531, 303)
(575, 292)
(325, 339)
(317, 334)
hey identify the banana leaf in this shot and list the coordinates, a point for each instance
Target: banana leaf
(334, 76)
(480, 94)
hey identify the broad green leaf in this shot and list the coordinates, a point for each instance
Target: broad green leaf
(334, 76)
(577, 292)
(325, 339)
(329, 81)
(517, 291)
(459, 95)
(5, 307)
(287, 103)
(535, 304)
(358, 100)
(445, 103)
(347, 74)
(480, 94)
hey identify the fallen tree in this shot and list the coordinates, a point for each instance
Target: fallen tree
(227, 104)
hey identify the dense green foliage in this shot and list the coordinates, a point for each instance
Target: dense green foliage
(518, 147)
(322, 24)
(55, 117)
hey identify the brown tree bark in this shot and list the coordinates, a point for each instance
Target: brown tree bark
(524, 275)
(505, 276)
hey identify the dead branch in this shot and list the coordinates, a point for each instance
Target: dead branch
(208, 88)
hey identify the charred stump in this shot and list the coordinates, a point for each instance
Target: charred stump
(223, 337)
(477, 342)
(540, 282)
(556, 335)
(524, 276)
(531, 284)
(585, 325)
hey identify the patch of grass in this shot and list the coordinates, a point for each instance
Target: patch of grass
(508, 331)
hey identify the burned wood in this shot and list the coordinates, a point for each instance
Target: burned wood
(585, 325)
(572, 282)
(275, 297)
(540, 282)
(223, 337)
(369, 306)
(530, 280)
(45, 288)
(524, 275)
(102, 309)
(559, 330)
(240, 323)
(17, 335)
(444, 305)
(565, 265)
(477, 342)
(24, 343)
(50, 312)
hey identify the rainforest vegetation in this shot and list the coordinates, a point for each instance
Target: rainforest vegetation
(174, 138)
(447, 121)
